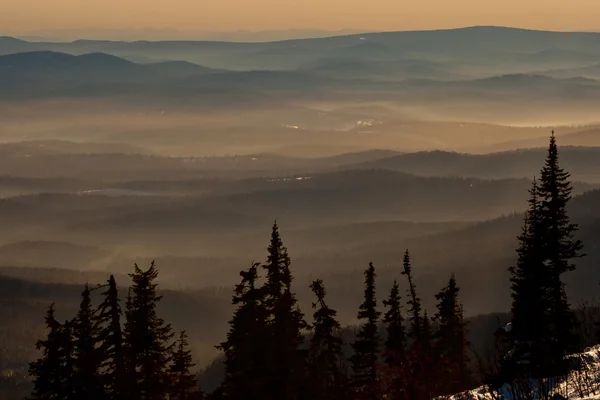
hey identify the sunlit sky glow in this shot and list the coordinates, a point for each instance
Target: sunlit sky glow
(23, 16)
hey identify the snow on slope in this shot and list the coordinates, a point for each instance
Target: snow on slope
(582, 383)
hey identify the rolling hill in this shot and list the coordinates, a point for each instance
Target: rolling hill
(582, 162)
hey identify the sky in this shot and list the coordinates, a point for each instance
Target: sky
(28, 16)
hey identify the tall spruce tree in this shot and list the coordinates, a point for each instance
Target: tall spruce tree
(395, 346)
(48, 372)
(87, 379)
(451, 343)
(414, 302)
(147, 337)
(184, 384)
(286, 360)
(560, 248)
(247, 342)
(395, 343)
(326, 374)
(366, 346)
(542, 329)
(110, 337)
(419, 364)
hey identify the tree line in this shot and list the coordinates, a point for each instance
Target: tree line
(271, 351)
(95, 356)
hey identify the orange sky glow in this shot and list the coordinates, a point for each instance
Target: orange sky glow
(19, 16)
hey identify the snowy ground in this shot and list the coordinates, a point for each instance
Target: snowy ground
(583, 383)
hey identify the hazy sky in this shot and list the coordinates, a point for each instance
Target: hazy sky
(21, 16)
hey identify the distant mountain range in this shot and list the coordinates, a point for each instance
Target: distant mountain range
(47, 73)
(489, 46)
(478, 74)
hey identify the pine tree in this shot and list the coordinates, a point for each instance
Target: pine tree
(395, 343)
(414, 301)
(286, 359)
(184, 385)
(326, 375)
(111, 344)
(559, 248)
(87, 378)
(366, 346)
(451, 346)
(247, 342)
(147, 337)
(47, 372)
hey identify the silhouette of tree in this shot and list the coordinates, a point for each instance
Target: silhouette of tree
(116, 382)
(147, 337)
(184, 385)
(326, 373)
(247, 342)
(87, 379)
(366, 346)
(286, 360)
(451, 343)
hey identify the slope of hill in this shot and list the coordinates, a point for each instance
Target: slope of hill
(21, 70)
(587, 137)
(578, 385)
(582, 162)
(479, 255)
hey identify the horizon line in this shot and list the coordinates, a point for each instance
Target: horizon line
(355, 32)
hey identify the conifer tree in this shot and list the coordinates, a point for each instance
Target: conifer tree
(67, 349)
(395, 343)
(542, 329)
(147, 337)
(111, 344)
(560, 248)
(414, 301)
(48, 372)
(87, 382)
(326, 375)
(528, 336)
(366, 346)
(419, 362)
(247, 342)
(286, 360)
(451, 345)
(184, 384)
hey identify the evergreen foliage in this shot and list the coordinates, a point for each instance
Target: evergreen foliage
(414, 302)
(92, 357)
(246, 342)
(325, 358)
(395, 343)
(52, 372)
(87, 379)
(366, 346)
(451, 343)
(111, 347)
(184, 384)
(542, 330)
(285, 322)
(559, 248)
(147, 337)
